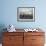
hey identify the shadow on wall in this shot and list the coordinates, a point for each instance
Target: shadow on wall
(2, 26)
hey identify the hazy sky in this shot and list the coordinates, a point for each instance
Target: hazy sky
(26, 10)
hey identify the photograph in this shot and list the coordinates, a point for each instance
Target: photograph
(26, 14)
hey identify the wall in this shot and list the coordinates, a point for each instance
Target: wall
(9, 13)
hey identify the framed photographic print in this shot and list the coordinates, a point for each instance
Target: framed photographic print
(26, 14)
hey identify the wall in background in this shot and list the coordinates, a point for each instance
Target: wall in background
(8, 13)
